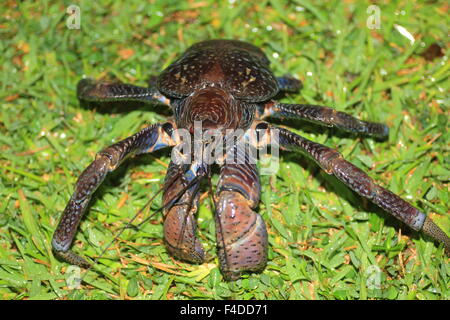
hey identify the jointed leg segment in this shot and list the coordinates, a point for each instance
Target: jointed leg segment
(97, 91)
(333, 163)
(147, 140)
(180, 224)
(241, 232)
(289, 84)
(325, 116)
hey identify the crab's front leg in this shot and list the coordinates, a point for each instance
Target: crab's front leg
(241, 232)
(147, 140)
(180, 198)
(357, 180)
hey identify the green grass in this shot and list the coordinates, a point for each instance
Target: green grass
(325, 241)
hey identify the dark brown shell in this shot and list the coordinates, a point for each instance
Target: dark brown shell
(238, 67)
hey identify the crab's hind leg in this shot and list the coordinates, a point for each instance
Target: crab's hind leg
(147, 140)
(357, 180)
(179, 215)
(241, 232)
(98, 91)
(289, 84)
(325, 116)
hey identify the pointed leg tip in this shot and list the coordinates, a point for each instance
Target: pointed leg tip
(384, 134)
(84, 86)
(72, 258)
(432, 230)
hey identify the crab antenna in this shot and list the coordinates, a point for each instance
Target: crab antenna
(173, 200)
(128, 225)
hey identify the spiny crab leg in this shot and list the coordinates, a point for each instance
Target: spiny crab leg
(147, 140)
(101, 91)
(324, 116)
(332, 162)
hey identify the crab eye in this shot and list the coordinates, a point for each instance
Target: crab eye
(168, 128)
(262, 126)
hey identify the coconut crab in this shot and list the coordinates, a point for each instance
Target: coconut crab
(224, 85)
